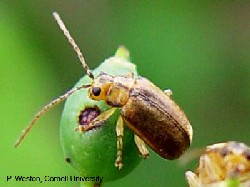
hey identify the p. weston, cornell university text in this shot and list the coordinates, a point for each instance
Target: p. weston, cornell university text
(20, 178)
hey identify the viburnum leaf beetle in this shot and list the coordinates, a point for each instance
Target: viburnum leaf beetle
(222, 164)
(150, 112)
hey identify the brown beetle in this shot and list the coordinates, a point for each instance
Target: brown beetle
(147, 110)
(150, 112)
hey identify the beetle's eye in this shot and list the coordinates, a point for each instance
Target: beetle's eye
(96, 91)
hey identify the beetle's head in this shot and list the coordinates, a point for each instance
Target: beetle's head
(100, 86)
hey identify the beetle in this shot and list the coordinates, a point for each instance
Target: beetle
(221, 164)
(148, 111)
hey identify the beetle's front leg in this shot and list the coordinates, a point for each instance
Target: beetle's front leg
(98, 121)
(141, 146)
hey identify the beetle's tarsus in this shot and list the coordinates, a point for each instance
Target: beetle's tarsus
(118, 164)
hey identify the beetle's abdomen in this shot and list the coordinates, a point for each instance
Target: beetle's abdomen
(157, 119)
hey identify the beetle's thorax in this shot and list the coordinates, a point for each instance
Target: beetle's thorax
(112, 89)
(119, 91)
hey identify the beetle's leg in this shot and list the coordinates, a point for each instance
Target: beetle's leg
(192, 179)
(119, 133)
(141, 146)
(168, 92)
(98, 121)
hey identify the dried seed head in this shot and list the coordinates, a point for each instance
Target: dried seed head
(222, 162)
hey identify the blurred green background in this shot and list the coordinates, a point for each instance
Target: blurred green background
(200, 50)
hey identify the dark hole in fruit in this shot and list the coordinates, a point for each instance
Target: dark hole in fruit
(88, 114)
(67, 159)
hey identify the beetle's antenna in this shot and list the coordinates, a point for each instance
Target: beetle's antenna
(45, 109)
(73, 43)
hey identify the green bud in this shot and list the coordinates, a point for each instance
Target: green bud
(93, 153)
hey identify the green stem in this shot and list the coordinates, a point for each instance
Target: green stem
(89, 184)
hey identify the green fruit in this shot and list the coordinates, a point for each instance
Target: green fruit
(93, 153)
